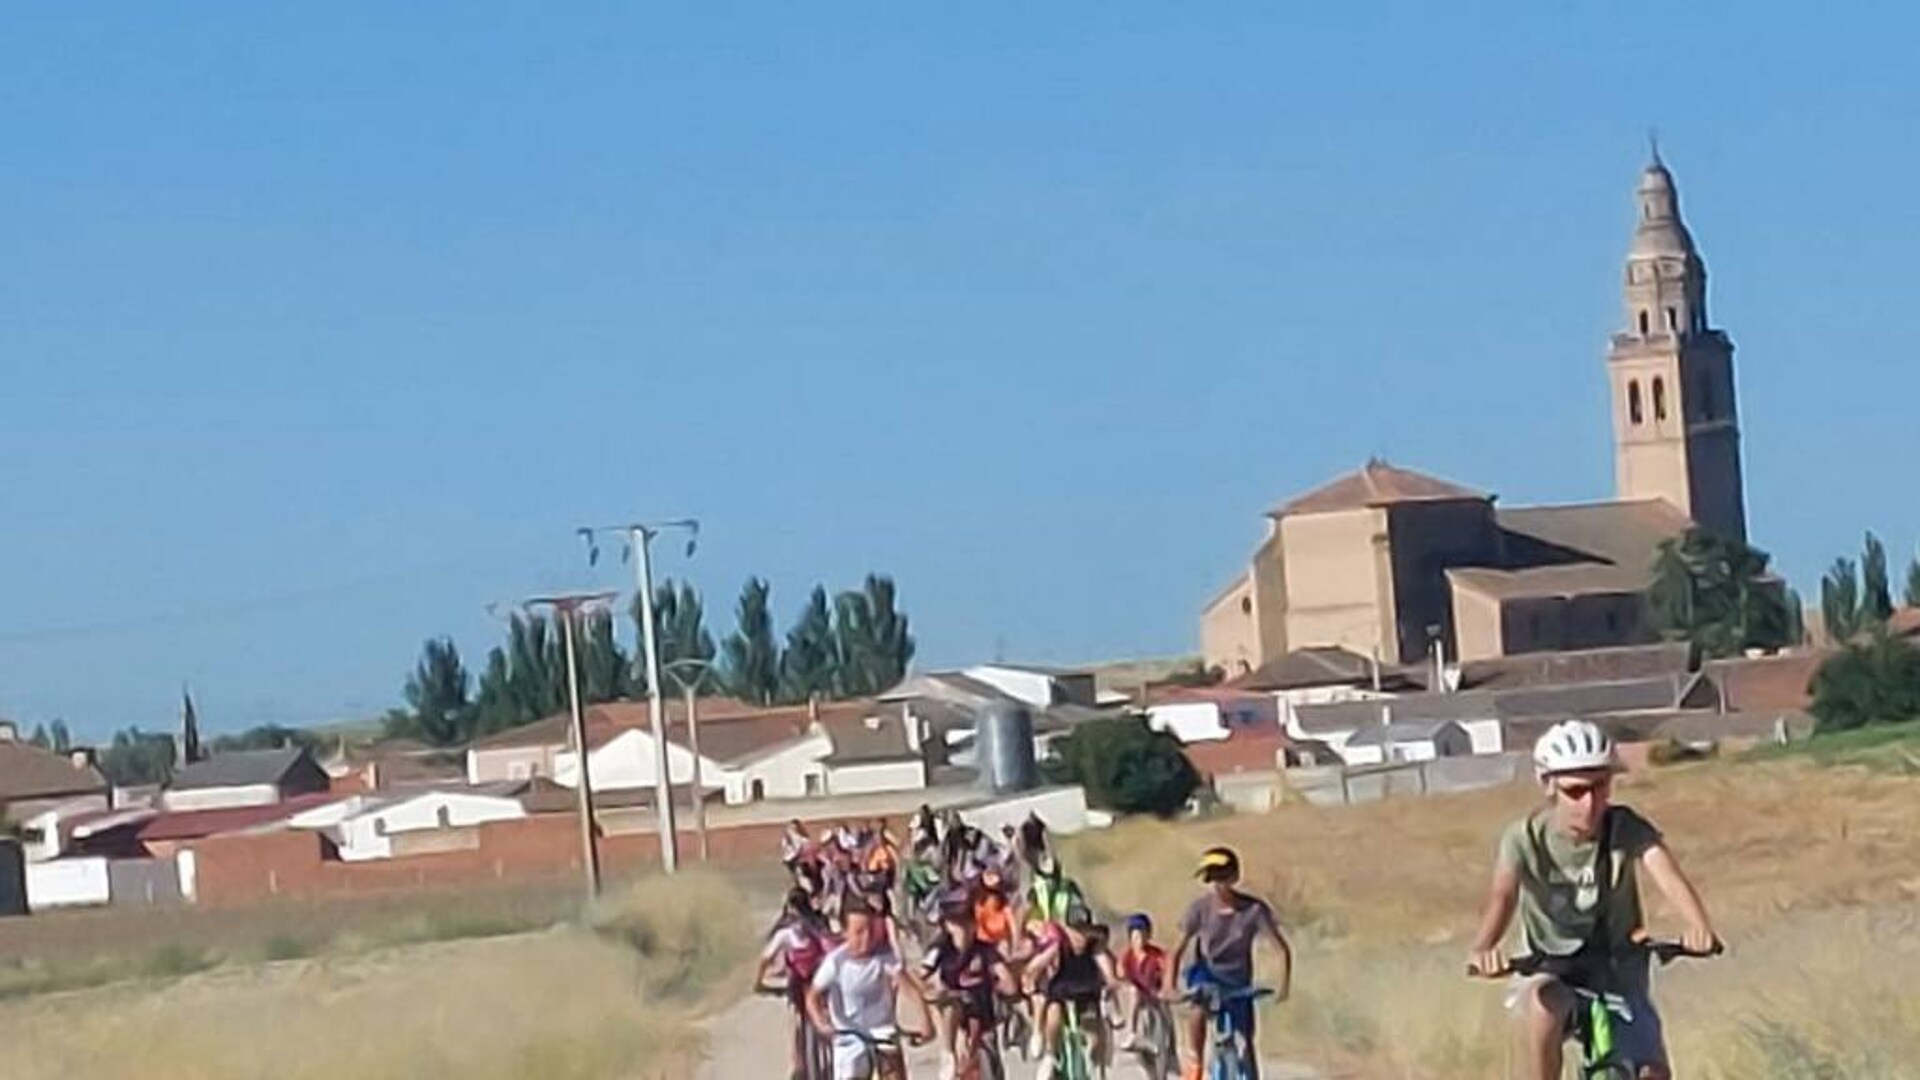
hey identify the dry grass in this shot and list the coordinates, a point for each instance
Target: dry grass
(1813, 874)
(612, 1000)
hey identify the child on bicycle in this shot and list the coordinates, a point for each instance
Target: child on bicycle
(1569, 870)
(1074, 971)
(1143, 973)
(799, 942)
(1220, 928)
(970, 974)
(853, 1002)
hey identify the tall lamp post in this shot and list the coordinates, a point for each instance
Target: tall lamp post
(701, 671)
(566, 610)
(639, 543)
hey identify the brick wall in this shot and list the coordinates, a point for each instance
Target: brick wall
(242, 869)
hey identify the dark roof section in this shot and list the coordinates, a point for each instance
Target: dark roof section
(870, 740)
(240, 768)
(1320, 665)
(1582, 665)
(1400, 732)
(1576, 550)
(28, 772)
(1591, 700)
(199, 824)
(1378, 484)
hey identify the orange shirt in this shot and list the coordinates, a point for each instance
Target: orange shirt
(993, 919)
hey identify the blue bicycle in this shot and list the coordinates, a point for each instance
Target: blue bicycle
(1230, 1049)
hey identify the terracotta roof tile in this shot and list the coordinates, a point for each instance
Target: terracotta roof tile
(1377, 484)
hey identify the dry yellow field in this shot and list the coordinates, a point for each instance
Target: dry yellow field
(1812, 873)
(614, 999)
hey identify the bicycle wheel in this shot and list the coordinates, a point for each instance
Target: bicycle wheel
(986, 1062)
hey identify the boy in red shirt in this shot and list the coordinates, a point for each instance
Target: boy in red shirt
(1143, 973)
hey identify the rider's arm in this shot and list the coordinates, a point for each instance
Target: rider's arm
(910, 983)
(1503, 895)
(1286, 953)
(1679, 891)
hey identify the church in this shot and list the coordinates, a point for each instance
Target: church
(1392, 564)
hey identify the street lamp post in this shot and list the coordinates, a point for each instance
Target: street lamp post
(567, 610)
(690, 688)
(639, 538)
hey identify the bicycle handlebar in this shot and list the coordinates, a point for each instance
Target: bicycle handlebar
(1666, 952)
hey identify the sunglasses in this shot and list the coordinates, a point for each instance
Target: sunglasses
(1583, 792)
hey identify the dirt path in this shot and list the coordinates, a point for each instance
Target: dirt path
(750, 1040)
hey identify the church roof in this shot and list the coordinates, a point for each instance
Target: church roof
(1585, 548)
(1377, 484)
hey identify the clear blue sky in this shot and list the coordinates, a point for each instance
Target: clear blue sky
(320, 329)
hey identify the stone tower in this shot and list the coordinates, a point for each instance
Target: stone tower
(1676, 430)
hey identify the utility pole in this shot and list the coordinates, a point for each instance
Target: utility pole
(691, 689)
(639, 538)
(566, 609)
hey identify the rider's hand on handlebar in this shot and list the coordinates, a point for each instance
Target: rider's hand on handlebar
(1487, 963)
(1700, 940)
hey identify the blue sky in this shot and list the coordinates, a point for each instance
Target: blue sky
(321, 328)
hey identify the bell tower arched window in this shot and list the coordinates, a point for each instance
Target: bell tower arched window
(1659, 398)
(1633, 402)
(1645, 325)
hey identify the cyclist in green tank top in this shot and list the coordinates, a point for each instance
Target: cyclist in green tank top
(1549, 875)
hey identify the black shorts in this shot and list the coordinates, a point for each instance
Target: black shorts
(973, 1004)
(1080, 994)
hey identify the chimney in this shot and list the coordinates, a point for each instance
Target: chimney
(81, 756)
(912, 725)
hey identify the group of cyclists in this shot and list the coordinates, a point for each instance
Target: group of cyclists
(1006, 942)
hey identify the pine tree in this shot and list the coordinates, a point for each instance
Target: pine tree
(438, 693)
(1840, 601)
(59, 737)
(1796, 618)
(892, 638)
(853, 645)
(1716, 593)
(1913, 584)
(39, 737)
(605, 674)
(190, 748)
(494, 706)
(750, 668)
(807, 667)
(1876, 596)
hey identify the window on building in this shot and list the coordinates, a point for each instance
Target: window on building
(1659, 398)
(1246, 605)
(1633, 401)
(1673, 319)
(1644, 324)
(758, 791)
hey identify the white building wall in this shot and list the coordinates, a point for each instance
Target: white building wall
(1064, 809)
(67, 883)
(1030, 687)
(1188, 721)
(876, 776)
(793, 771)
(626, 761)
(1485, 736)
(220, 798)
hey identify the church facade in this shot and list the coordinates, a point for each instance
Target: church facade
(1391, 563)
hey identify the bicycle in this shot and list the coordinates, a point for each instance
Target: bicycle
(881, 1048)
(815, 1057)
(1075, 1059)
(1154, 1040)
(1591, 1025)
(1230, 1045)
(982, 1060)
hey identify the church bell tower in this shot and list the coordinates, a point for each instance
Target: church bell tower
(1676, 429)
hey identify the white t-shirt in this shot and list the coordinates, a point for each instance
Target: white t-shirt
(859, 990)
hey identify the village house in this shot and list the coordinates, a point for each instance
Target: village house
(244, 778)
(35, 781)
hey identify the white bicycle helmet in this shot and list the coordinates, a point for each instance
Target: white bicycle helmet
(1572, 746)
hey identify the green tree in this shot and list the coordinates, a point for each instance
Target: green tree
(1840, 601)
(681, 631)
(750, 657)
(1876, 681)
(1716, 592)
(605, 672)
(494, 706)
(1913, 584)
(1125, 766)
(138, 757)
(1796, 617)
(872, 642)
(266, 737)
(1876, 596)
(439, 694)
(807, 666)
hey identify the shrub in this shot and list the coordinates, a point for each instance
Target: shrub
(1126, 766)
(1875, 682)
